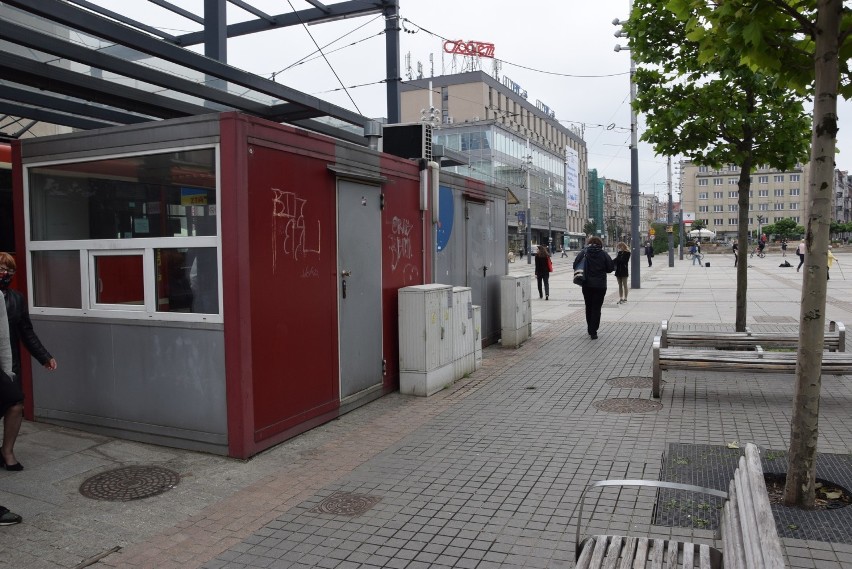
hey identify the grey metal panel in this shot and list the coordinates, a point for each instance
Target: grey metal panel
(359, 252)
(164, 381)
(195, 130)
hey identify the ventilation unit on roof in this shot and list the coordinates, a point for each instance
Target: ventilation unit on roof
(411, 140)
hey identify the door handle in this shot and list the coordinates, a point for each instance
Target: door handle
(344, 273)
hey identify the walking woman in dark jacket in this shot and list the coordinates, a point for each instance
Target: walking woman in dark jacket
(621, 273)
(542, 271)
(598, 264)
(20, 331)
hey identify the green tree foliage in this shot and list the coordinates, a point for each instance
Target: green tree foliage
(590, 228)
(714, 111)
(785, 228)
(803, 44)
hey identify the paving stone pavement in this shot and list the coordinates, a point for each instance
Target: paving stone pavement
(484, 474)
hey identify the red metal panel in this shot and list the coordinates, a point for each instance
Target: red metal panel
(403, 237)
(21, 265)
(292, 243)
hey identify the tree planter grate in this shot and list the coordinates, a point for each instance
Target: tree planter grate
(712, 466)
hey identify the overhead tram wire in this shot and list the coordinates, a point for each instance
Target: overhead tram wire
(309, 57)
(330, 66)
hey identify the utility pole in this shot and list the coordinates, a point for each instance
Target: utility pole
(635, 264)
(549, 216)
(670, 218)
(529, 206)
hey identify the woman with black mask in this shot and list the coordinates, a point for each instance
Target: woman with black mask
(20, 330)
(598, 264)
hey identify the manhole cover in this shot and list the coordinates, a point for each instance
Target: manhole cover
(346, 504)
(129, 483)
(632, 382)
(627, 405)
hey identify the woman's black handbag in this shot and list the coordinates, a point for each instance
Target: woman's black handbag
(580, 271)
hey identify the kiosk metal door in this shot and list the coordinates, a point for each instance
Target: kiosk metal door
(478, 240)
(359, 273)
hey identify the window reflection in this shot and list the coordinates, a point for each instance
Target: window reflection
(160, 195)
(187, 280)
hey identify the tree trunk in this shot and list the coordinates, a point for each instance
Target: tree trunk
(804, 428)
(744, 185)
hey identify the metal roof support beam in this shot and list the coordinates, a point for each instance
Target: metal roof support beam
(252, 10)
(124, 19)
(51, 78)
(338, 11)
(215, 30)
(394, 77)
(64, 105)
(45, 115)
(73, 17)
(99, 61)
(317, 4)
(178, 10)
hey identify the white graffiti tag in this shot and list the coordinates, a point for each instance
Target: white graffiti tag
(400, 246)
(291, 235)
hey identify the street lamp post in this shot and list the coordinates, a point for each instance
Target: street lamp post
(670, 217)
(635, 265)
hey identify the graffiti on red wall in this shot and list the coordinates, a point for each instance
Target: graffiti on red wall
(400, 249)
(292, 234)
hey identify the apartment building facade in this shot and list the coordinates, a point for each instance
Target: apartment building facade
(712, 194)
(509, 142)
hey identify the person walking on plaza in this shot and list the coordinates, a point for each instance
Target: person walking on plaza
(621, 262)
(10, 395)
(736, 249)
(598, 264)
(783, 247)
(800, 251)
(649, 252)
(20, 330)
(694, 252)
(542, 270)
(831, 259)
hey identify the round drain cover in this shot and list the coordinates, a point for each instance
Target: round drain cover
(631, 382)
(627, 405)
(346, 504)
(129, 483)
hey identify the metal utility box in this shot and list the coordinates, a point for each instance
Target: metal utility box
(515, 309)
(464, 334)
(425, 339)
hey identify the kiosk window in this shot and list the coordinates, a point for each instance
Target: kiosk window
(56, 279)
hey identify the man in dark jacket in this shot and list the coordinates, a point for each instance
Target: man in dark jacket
(598, 264)
(20, 330)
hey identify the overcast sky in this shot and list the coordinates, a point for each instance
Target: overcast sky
(560, 51)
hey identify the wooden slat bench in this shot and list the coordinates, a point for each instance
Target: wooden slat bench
(757, 361)
(748, 534)
(835, 338)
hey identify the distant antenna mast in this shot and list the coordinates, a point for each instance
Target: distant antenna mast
(420, 70)
(408, 72)
(496, 66)
(431, 65)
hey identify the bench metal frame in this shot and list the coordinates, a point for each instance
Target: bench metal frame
(748, 534)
